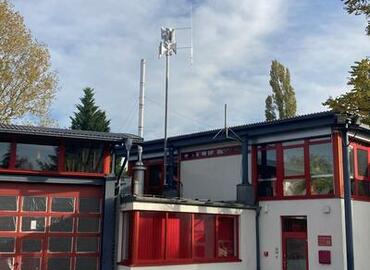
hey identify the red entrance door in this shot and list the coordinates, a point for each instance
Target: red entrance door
(49, 227)
(294, 239)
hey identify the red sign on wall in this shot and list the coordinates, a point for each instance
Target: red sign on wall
(324, 240)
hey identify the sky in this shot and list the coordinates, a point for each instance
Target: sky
(99, 44)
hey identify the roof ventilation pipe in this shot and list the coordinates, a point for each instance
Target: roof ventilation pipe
(139, 169)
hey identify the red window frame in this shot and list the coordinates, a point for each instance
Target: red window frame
(49, 192)
(280, 175)
(190, 258)
(356, 146)
(60, 143)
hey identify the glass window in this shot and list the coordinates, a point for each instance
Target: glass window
(266, 164)
(33, 224)
(204, 236)
(362, 162)
(31, 263)
(31, 245)
(7, 244)
(83, 158)
(89, 205)
(294, 224)
(294, 161)
(151, 236)
(87, 244)
(31, 203)
(321, 169)
(294, 187)
(363, 188)
(59, 263)
(8, 203)
(226, 245)
(8, 224)
(178, 235)
(84, 263)
(266, 171)
(88, 224)
(61, 224)
(4, 154)
(62, 204)
(6, 263)
(36, 157)
(60, 244)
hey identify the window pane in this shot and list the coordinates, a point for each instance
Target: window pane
(31, 245)
(294, 187)
(6, 263)
(87, 244)
(36, 157)
(151, 236)
(7, 244)
(322, 185)
(294, 224)
(226, 237)
(4, 154)
(61, 224)
(83, 158)
(126, 223)
(178, 235)
(293, 161)
(8, 203)
(62, 204)
(33, 224)
(266, 188)
(321, 159)
(60, 244)
(8, 224)
(266, 164)
(351, 161)
(362, 162)
(363, 188)
(59, 263)
(88, 224)
(34, 203)
(204, 236)
(31, 263)
(84, 263)
(89, 205)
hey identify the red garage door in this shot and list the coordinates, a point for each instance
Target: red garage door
(49, 227)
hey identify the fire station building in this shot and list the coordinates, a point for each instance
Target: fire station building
(267, 196)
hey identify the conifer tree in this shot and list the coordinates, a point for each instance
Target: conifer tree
(88, 115)
(282, 100)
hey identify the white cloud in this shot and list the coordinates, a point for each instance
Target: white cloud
(100, 44)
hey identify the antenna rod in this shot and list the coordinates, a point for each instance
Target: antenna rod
(141, 107)
(165, 118)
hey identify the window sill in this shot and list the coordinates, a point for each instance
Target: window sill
(179, 262)
(52, 173)
(305, 197)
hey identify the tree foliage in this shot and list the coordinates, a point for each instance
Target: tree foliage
(27, 86)
(359, 7)
(282, 101)
(88, 115)
(357, 100)
(269, 109)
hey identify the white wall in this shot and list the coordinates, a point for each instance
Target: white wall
(361, 234)
(211, 178)
(247, 236)
(318, 223)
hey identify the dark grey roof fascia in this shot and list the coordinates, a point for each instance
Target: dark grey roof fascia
(68, 133)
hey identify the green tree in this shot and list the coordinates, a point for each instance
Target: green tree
(27, 86)
(356, 100)
(359, 7)
(269, 109)
(282, 100)
(88, 115)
